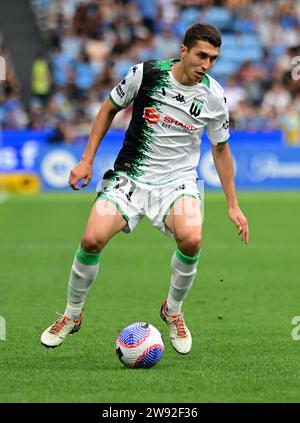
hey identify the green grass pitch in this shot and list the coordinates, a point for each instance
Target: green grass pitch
(239, 310)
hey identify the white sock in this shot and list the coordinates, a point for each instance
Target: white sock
(83, 273)
(184, 269)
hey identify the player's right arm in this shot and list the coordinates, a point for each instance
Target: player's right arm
(120, 97)
(84, 169)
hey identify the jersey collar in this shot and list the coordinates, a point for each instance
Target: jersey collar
(170, 62)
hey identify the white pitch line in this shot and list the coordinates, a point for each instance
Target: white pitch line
(3, 197)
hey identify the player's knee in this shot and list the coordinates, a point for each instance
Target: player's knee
(92, 244)
(190, 244)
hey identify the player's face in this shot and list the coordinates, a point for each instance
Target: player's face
(198, 60)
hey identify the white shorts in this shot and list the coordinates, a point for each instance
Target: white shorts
(135, 200)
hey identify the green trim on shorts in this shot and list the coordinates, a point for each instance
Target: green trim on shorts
(114, 103)
(173, 202)
(223, 142)
(84, 257)
(145, 183)
(187, 259)
(106, 197)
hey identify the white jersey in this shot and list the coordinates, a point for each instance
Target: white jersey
(163, 139)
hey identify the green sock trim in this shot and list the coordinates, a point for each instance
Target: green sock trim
(87, 258)
(187, 259)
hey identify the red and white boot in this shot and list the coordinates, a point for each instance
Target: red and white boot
(55, 334)
(180, 336)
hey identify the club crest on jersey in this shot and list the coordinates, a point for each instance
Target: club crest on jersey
(196, 107)
(151, 115)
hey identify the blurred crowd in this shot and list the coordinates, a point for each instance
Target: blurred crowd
(92, 44)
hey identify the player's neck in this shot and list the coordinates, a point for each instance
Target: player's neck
(181, 76)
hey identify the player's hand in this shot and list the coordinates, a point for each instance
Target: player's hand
(83, 171)
(240, 221)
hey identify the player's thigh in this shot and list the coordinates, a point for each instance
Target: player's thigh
(104, 222)
(185, 220)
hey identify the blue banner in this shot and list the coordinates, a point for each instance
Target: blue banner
(262, 160)
(55, 163)
(20, 150)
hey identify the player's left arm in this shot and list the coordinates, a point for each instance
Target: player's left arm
(224, 165)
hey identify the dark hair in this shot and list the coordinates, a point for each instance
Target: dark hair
(202, 32)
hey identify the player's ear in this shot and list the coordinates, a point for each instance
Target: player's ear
(183, 51)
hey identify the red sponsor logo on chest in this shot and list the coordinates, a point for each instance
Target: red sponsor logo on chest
(151, 115)
(171, 121)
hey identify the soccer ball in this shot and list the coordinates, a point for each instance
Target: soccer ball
(139, 345)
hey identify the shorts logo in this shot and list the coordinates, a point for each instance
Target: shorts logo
(225, 124)
(151, 115)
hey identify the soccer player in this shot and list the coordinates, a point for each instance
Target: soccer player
(155, 174)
